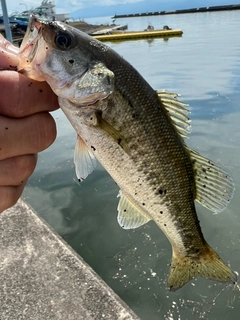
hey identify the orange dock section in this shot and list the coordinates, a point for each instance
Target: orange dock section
(121, 35)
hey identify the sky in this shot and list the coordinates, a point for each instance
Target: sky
(68, 6)
(65, 6)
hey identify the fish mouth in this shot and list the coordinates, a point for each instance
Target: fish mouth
(29, 44)
(29, 59)
(40, 59)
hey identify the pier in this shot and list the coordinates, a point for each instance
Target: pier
(43, 278)
(181, 11)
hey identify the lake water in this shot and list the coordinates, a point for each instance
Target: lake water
(204, 67)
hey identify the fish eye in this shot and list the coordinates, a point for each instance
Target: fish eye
(63, 40)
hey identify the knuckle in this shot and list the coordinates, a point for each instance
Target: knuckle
(47, 130)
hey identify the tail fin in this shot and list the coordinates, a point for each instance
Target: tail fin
(208, 265)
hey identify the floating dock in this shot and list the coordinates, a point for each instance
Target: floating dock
(139, 35)
(193, 10)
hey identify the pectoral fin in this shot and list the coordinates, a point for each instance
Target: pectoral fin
(112, 132)
(129, 216)
(84, 160)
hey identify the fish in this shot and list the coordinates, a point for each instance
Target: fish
(138, 134)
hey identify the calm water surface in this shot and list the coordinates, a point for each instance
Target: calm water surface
(204, 67)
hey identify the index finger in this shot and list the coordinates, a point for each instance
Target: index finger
(21, 96)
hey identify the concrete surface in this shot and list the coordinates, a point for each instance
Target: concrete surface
(41, 277)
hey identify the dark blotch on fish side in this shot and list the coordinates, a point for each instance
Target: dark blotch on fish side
(71, 61)
(131, 105)
(94, 149)
(41, 90)
(125, 97)
(162, 191)
(6, 128)
(119, 140)
(135, 115)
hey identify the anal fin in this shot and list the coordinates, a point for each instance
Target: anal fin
(129, 216)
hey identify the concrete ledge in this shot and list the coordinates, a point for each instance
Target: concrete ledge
(41, 277)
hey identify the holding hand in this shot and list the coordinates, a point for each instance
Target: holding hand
(26, 127)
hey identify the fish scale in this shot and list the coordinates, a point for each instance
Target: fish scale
(136, 133)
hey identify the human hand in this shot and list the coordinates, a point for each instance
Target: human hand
(26, 127)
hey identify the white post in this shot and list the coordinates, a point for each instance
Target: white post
(6, 21)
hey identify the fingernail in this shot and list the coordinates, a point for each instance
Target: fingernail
(8, 46)
(12, 49)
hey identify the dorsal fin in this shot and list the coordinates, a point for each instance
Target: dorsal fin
(129, 217)
(176, 110)
(214, 187)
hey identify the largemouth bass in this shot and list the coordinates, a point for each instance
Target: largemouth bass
(136, 133)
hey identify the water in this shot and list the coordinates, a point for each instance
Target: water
(204, 66)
